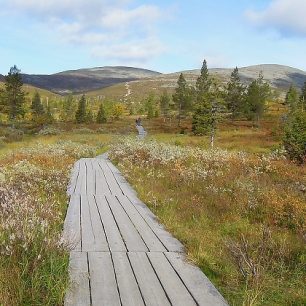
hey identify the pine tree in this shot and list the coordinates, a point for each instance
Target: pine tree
(14, 96)
(292, 99)
(149, 105)
(182, 97)
(101, 116)
(36, 106)
(165, 104)
(49, 115)
(257, 96)
(80, 114)
(235, 94)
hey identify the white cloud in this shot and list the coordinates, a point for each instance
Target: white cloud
(287, 16)
(116, 29)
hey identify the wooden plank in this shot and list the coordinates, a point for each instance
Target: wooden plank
(113, 235)
(104, 291)
(73, 179)
(81, 182)
(93, 236)
(112, 183)
(122, 182)
(90, 177)
(101, 184)
(150, 239)
(79, 292)
(203, 291)
(72, 228)
(174, 287)
(151, 289)
(171, 244)
(133, 240)
(128, 288)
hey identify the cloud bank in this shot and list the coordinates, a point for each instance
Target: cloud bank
(116, 30)
(286, 16)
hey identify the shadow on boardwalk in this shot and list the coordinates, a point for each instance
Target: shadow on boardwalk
(121, 255)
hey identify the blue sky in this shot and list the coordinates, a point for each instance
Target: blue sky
(55, 35)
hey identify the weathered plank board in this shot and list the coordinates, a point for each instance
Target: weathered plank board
(130, 235)
(79, 293)
(104, 291)
(114, 238)
(72, 225)
(174, 287)
(203, 291)
(152, 290)
(128, 287)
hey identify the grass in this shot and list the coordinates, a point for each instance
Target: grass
(240, 216)
(34, 174)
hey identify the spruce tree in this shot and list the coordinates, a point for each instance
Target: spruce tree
(182, 97)
(67, 108)
(80, 114)
(101, 116)
(204, 120)
(149, 104)
(235, 94)
(89, 117)
(257, 96)
(14, 96)
(292, 99)
(49, 115)
(165, 104)
(36, 106)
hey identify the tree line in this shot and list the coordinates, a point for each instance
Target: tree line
(13, 105)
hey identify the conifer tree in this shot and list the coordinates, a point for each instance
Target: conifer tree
(257, 96)
(67, 108)
(80, 114)
(89, 117)
(36, 106)
(303, 98)
(235, 94)
(204, 120)
(49, 115)
(292, 99)
(149, 104)
(14, 96)
(101, 116)
(182, 97)
(165, 104)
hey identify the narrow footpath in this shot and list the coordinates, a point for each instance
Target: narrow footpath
(120, 254)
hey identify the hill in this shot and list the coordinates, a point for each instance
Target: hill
(83, 80)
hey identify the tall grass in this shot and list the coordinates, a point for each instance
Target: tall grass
(241, 216)
(33, 202)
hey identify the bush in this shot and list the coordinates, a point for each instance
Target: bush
(295, 137)
(83, 131)
(49, 130)
(12, 134)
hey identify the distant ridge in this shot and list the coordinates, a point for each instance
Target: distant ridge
(91, 79)
(279, 76)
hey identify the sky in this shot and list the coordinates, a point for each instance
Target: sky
(49, 36)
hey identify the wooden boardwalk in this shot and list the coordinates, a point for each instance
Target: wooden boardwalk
(120, 254)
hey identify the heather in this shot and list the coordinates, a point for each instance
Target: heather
(241, 216)
(33, 203)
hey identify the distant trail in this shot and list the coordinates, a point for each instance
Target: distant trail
(121, 256)
(128, 91)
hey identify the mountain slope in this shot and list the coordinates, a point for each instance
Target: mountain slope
(82, 80)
